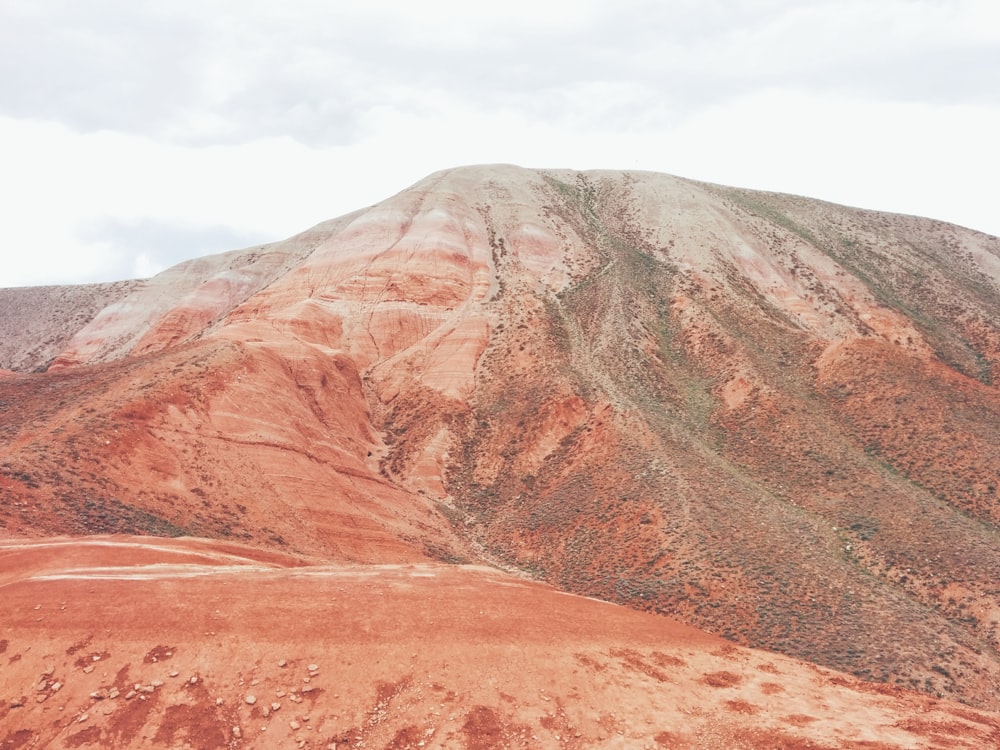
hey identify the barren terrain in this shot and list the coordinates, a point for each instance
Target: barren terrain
(234, 648)
(767, 417)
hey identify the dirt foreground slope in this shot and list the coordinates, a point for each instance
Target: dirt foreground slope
(128, 642)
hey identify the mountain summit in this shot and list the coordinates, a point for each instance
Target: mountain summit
(768, 417)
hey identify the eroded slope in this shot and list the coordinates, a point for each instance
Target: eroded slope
(770, 417)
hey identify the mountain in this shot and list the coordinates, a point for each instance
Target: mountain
(766, 417)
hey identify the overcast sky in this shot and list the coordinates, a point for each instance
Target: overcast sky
(137, 134)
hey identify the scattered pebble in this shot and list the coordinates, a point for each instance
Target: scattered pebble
(83, 718)
(250, 699)
(313, 667)
(194, 680)
(218, 701)
(282, 663)
(113, 693)
(275, 706)
(89, 668)
(294, 725)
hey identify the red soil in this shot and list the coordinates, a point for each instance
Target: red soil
(115, 642)
(767, 417)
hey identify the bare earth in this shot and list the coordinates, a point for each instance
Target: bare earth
(118, 641)
(408, 444)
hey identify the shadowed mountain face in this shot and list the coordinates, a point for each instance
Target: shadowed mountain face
(769, 417)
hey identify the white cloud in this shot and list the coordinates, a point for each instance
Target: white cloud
(196, 121)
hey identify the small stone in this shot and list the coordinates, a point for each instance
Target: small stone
(294, 725)
(313, 667)
(48, 672)
(250, 699)
(98, 695)
(96, 657)
(308, 689)
(83, 718)
(174, 673)
(237, 733)
(89, 668)
(17, 703)
(149, 689)
(157, 683)
(280, 693)
(282, 663)
(56, 687)
(40, 698)
(218, 701)
(42, 686)
(130, 695)
(265, 712)
(275, 706)
(194, 680)
(113, 693)
(255, 681)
